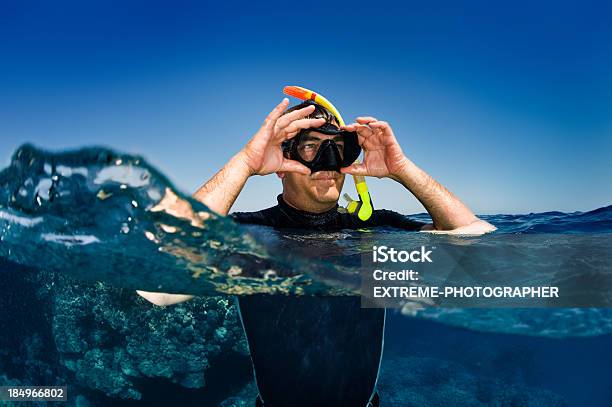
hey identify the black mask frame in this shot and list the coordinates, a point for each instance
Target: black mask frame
(328, 157)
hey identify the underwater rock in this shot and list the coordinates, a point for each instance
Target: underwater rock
(110, 337)
(423, 382)
(27, 354)
(107, 343)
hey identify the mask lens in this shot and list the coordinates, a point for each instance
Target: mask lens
(307, 149)
(309, 146)
(340, 145)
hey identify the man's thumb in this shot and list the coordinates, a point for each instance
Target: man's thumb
(355, 169)
(293, 166)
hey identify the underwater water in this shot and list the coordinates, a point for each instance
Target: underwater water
(80, 231)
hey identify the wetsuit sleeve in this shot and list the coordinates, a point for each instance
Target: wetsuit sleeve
(267, 217)
(248, 217)
(384, 217)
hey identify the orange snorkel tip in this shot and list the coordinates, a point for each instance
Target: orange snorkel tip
(297, 92)
(306, 94)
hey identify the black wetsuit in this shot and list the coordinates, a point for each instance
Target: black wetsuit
(315, 351)
(284, 216)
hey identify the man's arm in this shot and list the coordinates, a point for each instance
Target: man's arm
(446, 210)
(383, 157)
(261, 156)
(220, 192)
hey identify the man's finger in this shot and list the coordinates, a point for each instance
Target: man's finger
(297, 125)
(382, 127)
(366, 119)
(355, 169)
(296, 114)
(276, 113)
(293, 166)
(379, 125)
(363, 130)
(349, 127)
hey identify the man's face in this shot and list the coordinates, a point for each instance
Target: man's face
(319, 188)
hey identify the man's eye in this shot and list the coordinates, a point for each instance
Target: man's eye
(309, 146)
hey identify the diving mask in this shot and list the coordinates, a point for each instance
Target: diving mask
(322, 153)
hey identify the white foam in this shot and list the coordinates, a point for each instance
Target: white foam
(26, 222)
(70, 240)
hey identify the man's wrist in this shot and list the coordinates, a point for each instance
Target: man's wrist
(403, 171)
(241, 162)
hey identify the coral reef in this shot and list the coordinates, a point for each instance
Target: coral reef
(110, 346)
(108, 342)
(109, 337)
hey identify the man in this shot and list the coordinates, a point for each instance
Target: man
(321, 351)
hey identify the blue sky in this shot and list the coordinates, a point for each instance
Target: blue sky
(509, 106)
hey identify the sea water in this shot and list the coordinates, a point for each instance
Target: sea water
(80, 231)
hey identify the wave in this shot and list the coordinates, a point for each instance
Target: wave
(94, 214)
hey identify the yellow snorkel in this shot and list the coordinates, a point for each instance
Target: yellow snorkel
(362, 207)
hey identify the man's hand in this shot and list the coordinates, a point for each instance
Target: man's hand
(383, 156)
(263, 153)
(261, 156)
(163, 299)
